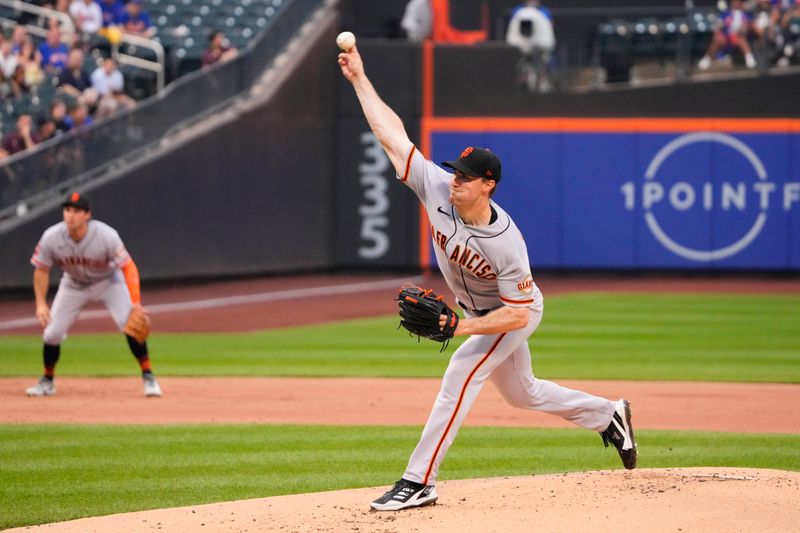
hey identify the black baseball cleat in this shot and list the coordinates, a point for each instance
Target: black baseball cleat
(406, 494)
(620, 433)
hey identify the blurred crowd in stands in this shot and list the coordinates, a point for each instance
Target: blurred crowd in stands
(764, 32)
(663, 41)
(80, 82)
(65, 80)
(57, 80)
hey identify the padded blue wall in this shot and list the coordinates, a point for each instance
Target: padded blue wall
(685, 200)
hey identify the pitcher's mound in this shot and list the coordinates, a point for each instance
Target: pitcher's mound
(691, 499)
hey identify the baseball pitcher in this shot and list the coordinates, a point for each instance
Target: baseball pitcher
(96, 267)
(484, 260)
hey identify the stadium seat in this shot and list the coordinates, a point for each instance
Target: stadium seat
(183, 29)
(701, 29)
(646, 38)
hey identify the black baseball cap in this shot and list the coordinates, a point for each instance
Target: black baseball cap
(474, 161)
(76, 200)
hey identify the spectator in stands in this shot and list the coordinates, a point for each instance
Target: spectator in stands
(533, 3)
(781, 7)
(5, 87)
(46, 128)
(110, 85)
(54, 51)
(417, 20)
(219, 49)
(78, 117)
(19, 87)
(74, 80)
(18, 38)
(112, 11)
(58, 114)
(22, 138)
(87, 15)
(136, 20)
(735, 24)
(62, 6)
(31, 60)
(8, 59)
(531, 31)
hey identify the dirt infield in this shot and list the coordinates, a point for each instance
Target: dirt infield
(694, 499)
(732, 407)
(666, 500)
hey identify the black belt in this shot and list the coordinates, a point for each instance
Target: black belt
(477, 312)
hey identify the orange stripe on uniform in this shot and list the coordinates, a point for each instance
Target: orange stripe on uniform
(616, 125)
(458, 406)
(408, 163)
(509, 301)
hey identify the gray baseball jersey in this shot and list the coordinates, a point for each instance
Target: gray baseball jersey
(486, 267)
(98, 256)
(91, 273)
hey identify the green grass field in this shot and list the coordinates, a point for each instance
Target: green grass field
(588, 336)
(52, 473)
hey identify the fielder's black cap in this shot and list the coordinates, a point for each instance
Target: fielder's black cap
(76, 200)
(480, 162)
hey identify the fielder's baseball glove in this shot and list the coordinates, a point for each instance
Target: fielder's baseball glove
(138, 324)
(420, 310)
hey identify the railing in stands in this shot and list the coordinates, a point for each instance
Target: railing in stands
(36, 176)
(68, 31)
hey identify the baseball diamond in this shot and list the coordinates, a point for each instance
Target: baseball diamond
(730, 407)
(426, 265)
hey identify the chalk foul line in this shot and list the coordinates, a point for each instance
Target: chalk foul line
(244, 299)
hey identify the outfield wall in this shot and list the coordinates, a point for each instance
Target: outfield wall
(645, 193)
(299, 183)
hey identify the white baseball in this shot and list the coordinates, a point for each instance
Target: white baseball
(346, 40)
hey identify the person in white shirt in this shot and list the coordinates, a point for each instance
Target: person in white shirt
(8, 59)
(87, 15)
(531, 31)
(417, 20)
(107, 78)
(110, 86)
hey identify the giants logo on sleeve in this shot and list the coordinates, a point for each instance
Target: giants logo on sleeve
(526, 286)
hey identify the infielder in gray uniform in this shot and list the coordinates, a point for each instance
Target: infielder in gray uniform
(484, 260)
(96, 267)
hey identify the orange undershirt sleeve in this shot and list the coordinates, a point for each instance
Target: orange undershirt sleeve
(132, 281)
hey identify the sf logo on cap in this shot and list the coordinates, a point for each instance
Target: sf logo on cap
(75, 197)
(466, 152)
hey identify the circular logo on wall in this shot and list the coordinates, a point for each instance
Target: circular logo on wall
(682, 195)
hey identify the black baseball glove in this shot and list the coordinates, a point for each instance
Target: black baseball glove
(420, 310)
